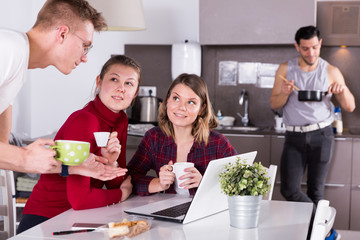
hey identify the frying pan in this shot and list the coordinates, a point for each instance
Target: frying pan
(307, 95)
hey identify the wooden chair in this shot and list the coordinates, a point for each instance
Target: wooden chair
(323, 221)
(271, 173)
(8, 208)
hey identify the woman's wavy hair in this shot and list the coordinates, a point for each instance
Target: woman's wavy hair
(206, 119)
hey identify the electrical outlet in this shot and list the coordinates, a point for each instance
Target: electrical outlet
(145, 91)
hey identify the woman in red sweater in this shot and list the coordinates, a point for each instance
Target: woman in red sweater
(117, 86)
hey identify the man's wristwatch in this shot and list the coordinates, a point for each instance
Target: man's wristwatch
(64, 170)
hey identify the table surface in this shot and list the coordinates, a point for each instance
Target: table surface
(278, 220)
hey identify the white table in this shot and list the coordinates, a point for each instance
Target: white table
(278, 220)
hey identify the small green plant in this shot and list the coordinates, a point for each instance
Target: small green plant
(243, 179)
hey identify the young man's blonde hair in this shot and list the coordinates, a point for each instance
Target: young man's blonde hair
(68, 12)
(206, 119)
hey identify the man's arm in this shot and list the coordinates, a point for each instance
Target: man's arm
(339, 89)
(5, 123)
(281, 90)
(34, 158)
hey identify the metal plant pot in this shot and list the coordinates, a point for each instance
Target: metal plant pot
(244, 211)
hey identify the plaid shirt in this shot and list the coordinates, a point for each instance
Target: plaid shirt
(156, 150)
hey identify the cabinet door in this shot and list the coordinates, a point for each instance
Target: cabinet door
(277, 145)
(253, 22)
(131, 146)
(355, 187)
(338, 182)
(247, 143)
(340, 168)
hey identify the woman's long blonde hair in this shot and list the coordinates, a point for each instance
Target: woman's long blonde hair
(206, 119)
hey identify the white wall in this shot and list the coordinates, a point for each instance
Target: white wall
(48, 97)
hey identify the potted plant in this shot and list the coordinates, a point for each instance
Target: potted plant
(244, 185)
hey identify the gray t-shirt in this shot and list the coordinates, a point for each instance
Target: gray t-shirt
(296, 113)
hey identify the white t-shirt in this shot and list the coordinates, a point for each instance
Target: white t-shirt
(14, 60)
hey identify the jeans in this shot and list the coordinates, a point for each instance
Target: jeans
(311, 150)
(29, 221)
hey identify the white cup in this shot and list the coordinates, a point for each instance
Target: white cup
(279, 124)
(101, 138)
(179, 170)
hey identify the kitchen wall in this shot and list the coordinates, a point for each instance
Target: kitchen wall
(156, 64)
(49, 97)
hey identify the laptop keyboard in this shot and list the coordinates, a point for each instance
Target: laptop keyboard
(174, 211)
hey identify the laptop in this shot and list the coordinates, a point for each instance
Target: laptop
(207, 200)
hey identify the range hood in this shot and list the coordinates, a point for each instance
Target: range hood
(339, 22)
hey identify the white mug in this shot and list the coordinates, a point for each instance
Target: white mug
(179, 170)
(101, 138)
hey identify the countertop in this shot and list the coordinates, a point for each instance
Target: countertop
(136, 131)
(347, 133)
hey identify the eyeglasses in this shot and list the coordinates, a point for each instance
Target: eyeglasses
(85, 46)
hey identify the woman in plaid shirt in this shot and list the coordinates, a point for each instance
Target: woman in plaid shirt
(184, 134)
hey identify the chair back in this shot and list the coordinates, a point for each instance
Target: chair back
(323, 221)
(8, 207)
(271, 173)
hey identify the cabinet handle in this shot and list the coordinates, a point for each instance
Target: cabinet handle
(342, 139)
(328, 185)
(334, 185)
(244, 135)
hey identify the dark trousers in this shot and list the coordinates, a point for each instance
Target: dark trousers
(311, 150)
(28, 221)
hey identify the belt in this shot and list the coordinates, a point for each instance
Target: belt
(308, 128)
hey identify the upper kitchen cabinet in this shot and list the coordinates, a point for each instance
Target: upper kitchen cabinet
(233, 22)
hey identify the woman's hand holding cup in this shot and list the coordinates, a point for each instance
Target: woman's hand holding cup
(191, 178)
(112, 149)
(187, 176)
(166, 176)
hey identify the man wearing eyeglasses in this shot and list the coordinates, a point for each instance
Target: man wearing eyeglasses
(62, 36)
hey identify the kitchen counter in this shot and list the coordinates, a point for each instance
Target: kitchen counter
(265, 131)
(347, 133)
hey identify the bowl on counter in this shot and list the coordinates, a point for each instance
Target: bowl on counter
(226, 121)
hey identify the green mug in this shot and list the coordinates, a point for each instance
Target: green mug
(71, 152)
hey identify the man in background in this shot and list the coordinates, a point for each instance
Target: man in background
(61, 36)
(309, 139)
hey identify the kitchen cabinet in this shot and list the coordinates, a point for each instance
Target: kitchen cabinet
(132, 144)
(277, 143)
(338, 182)
(355, 187)
(337, 188)
(232, 22)
(247, 143)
